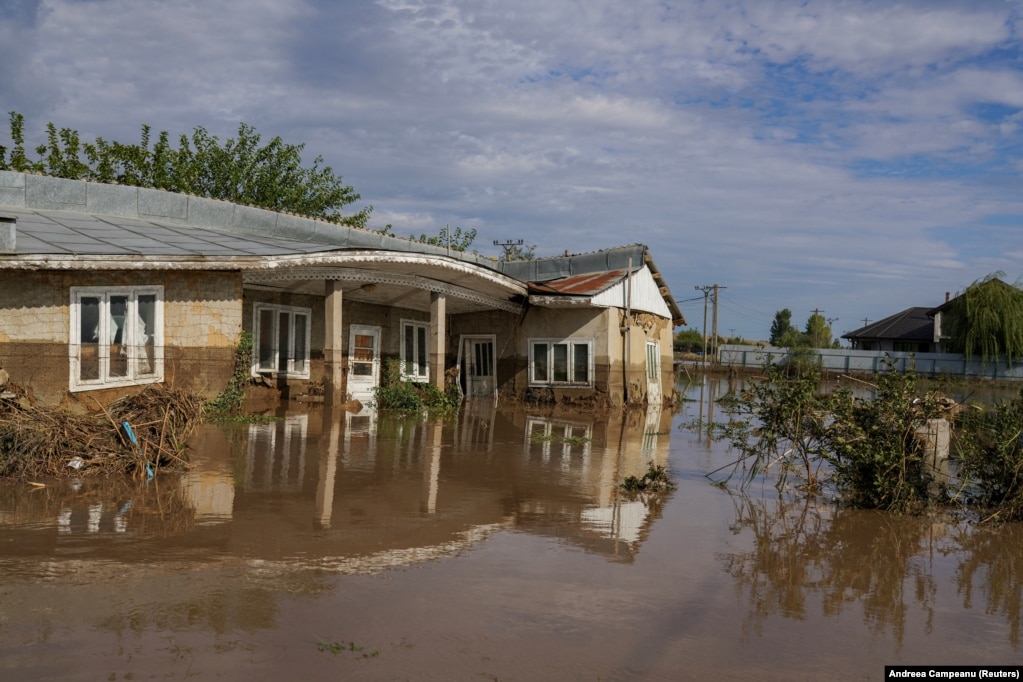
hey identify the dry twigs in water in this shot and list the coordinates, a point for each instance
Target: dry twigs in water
(42, 441)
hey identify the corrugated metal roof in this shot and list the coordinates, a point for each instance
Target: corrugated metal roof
(60, 233)
(59, 217)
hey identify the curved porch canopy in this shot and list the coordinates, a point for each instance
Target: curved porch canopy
(393, 279)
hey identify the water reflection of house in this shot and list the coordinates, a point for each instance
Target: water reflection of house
(117, 286)
(346, 493)
(396, 486)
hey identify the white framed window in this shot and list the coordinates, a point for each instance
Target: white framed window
(116, 336)
(561, 362)
(280, 340)
(415, 350)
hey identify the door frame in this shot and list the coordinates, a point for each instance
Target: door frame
(653, 372)
(363, 389)
(466, 343)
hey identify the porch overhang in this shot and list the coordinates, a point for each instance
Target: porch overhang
(393, 280)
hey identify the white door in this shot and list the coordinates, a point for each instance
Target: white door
(653, 373)
(363, 362)
(480, 367)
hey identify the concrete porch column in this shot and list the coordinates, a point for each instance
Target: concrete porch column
(438, 338)
(333, 351)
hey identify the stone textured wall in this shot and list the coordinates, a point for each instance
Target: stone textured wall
(202, 323)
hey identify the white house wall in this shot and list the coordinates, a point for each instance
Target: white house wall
(646, 296)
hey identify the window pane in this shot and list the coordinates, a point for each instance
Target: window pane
(266, 340)
(409, 355)
(421, 357)
(484, 359)
(540, 362)
(560, 361)
(283, 341)
(581, 363)
(362, 355)
(301, 349)
(88, 335)
(118, 349)
(145, 334)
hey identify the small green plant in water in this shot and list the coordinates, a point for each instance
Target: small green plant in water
(342, 647)
(655, 480)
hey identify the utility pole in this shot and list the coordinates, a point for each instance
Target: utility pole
(706, 292)
(507, 246)
(714, 326)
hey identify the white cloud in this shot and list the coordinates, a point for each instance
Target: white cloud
(816, 154)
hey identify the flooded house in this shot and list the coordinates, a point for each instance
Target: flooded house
(104, 288)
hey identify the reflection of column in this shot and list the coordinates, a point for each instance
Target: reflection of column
(333, 355)
(438, 338)
(95, 512)
(331, 435)
(431, 470)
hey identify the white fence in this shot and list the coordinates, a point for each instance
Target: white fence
(873, 362)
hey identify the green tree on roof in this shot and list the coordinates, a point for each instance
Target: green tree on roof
(240, 170)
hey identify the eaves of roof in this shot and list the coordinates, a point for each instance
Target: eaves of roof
(912, 324)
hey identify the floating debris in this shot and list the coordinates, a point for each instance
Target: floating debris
(43, 441)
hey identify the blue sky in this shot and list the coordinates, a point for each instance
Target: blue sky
(854, 157)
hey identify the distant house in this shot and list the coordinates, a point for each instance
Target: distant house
(912, 330)
(104, 288)
(942, 314)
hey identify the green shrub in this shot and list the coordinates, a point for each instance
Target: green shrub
(397, 393)
(990, 453)
(865, 449)
(875, 454)
(780, 420)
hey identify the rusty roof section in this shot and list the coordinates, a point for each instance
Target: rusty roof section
(579, 285)
(553, 275)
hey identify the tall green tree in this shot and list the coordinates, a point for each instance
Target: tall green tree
(242, 169)
(818, 332)
(987, 320)
(782, 324)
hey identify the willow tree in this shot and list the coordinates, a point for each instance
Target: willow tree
(987, 320)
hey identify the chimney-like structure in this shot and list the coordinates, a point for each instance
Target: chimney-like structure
(8, 234)
(948, 296)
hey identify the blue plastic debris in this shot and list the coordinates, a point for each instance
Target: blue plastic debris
(135, 442)
(131, 434)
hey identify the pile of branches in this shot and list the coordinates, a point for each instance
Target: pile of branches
(135, 435)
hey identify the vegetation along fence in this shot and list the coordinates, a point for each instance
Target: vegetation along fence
(872, 362)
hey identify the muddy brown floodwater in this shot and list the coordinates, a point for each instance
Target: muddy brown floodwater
(490, 545)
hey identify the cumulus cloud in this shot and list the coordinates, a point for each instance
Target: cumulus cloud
(841, 156)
